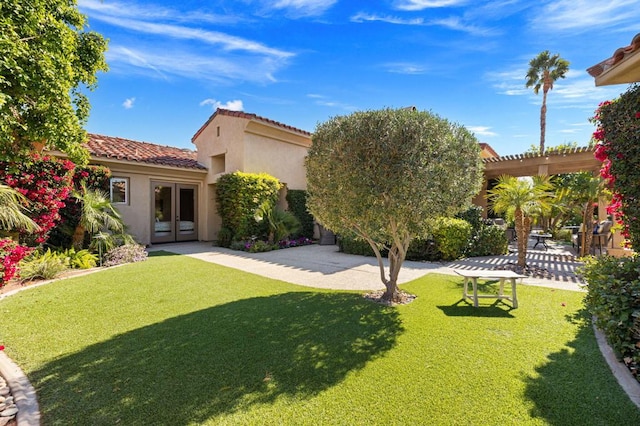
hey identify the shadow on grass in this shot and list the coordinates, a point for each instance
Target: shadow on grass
(194, 367)
(463, 308)
(161, 253)
(576, 386)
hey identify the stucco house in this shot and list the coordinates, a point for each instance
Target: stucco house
(167, 194)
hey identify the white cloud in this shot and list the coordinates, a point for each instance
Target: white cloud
(367, 17)
(235, 105)
(586, 14)
(404, 68)
(412, 5)
(153, 12)
(481, 130)
(165, 63)
(302, 8)
(128, 103)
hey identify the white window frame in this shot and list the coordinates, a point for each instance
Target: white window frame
(126, 190)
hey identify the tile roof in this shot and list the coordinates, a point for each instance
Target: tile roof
(616, 58)
(248, 116)
(141, 152)
(487, 149)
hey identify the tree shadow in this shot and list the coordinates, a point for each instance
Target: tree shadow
(194, 367)
(465, 308)
(576, 386)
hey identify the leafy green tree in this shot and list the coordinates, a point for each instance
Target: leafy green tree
(543, 72)
(586, 190)
(12, 211)
(521, 200)
(380, 175)
(46, 60)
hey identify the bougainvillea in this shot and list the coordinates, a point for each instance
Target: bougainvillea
(11, 253)
(618, 137)
(46, 182)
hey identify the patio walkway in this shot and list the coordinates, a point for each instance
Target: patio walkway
(324, 267)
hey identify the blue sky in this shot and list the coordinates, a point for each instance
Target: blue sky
(301, 62)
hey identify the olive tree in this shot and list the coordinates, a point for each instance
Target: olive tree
(382, 175)
(46, 60)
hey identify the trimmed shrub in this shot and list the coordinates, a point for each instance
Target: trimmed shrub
(350, 245)
(239, 195)
(127, 253)
(613, 298)
(451, 237)
(423, 249)
(297, 200)
(225, 237)
(489, 240)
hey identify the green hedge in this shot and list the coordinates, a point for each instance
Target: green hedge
(613, 298)
(297, 200)
(238, 196)
(451, 237)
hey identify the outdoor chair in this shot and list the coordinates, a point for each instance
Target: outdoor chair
(602, 236)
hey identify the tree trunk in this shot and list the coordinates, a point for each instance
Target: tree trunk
(523, 235)
(543, 120)
(587, 229)
(77, 240)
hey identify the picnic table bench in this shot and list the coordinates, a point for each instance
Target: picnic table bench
(502, 275)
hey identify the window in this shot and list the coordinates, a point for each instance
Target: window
(119, 190)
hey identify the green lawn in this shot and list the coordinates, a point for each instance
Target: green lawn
(178, 341)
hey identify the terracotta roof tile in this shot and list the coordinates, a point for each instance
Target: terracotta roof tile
(488, 149)
(142, 152)
(248, 116)
(617, 56)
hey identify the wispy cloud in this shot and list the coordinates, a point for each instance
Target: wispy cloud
(453, 23)
(130, 10)
(404, 68)
(361, 17)
(303, 8)
(426, 4)
(128, 103)
(481, 130)
(586, 14)
(179, 49)
(235, 105)
(326, 102)
(214, 68)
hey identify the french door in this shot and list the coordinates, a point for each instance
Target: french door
(175, 212)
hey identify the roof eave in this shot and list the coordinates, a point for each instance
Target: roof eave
(624, 72)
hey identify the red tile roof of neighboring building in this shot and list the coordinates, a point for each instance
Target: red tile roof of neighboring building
(142, 152)
(242, 114)
(618, 56)
(487, 148)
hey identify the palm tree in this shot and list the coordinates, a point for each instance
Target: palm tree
(281, 223)
(543, 71)
(12, 208)
(521, 200)
(96, 215)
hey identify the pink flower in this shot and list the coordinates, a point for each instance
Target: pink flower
(1, 347)
(637, 114)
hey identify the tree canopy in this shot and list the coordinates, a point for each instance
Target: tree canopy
(46, 60)
(382, 175)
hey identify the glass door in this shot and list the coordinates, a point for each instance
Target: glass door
(187, 206)
(163, 226)
(175, 212)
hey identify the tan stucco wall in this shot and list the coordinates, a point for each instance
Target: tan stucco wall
(230, 144)
(138, 213)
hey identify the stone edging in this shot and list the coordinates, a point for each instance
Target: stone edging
(627, 382)
(24, 395)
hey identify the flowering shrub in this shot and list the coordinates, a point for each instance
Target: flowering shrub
(11, 253)
(46, 182)
(618, 137)
(127, 253)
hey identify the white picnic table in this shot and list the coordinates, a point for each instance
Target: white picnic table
(502, 275)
